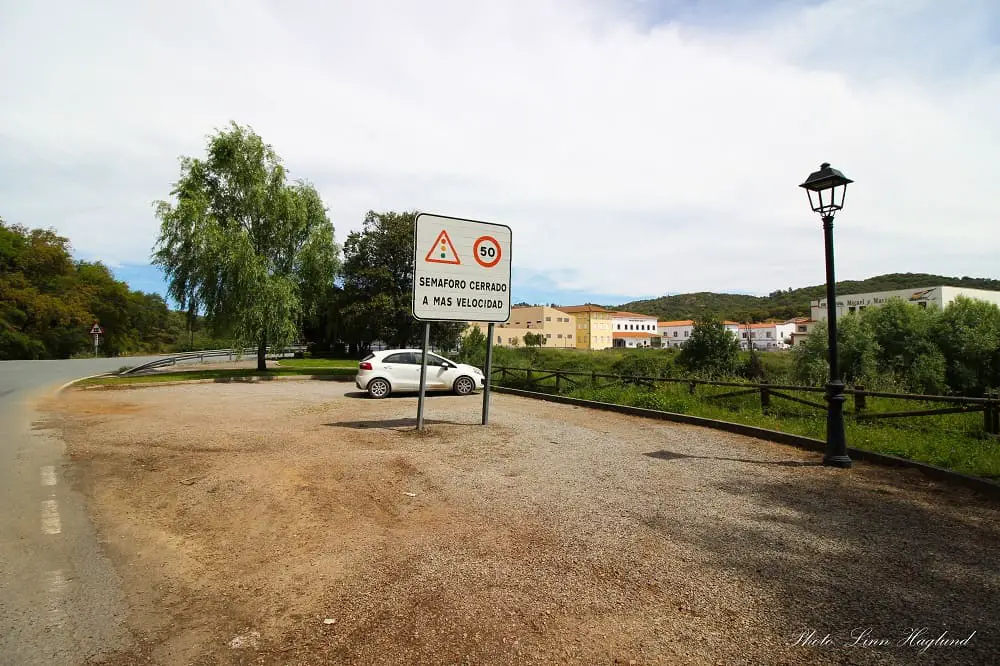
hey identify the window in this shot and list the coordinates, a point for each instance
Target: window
(558, 335)
(435, 360)
(743, 335)
(687, 333)
(397, 358)
(549, 335)
(548, 319)
(802, 329)
(675, 334)
(499, 340)
(852, 309)
(569, 336)
(769, 334)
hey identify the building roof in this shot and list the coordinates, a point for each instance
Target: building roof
(679, 322)
(633, 315)
(632, 334)
(583, 308)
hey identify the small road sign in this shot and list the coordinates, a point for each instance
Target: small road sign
(96, 330)
(447, 286)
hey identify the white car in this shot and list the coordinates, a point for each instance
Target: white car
(398, 370)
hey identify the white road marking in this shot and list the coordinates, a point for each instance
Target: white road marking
(48, 475)
(50, 517)
(55, 593)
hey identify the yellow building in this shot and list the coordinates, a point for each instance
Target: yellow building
(594, 326)
(556, 327)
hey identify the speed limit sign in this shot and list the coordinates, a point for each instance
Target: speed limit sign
(487, 251)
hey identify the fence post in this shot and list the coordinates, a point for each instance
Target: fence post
(860, 401)
(991, 414)
(593, 379)
(530, 381)
(691, 387)
(558, 383)
(996, 413)
(765, 397)
(988, 416)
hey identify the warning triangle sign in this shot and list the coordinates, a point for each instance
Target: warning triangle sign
(443, 252)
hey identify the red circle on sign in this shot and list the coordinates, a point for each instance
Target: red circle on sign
(486, 260)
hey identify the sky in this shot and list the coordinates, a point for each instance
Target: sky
(635, 147)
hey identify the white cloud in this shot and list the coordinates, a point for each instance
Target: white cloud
(628, 156)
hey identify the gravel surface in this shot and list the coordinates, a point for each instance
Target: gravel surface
(302, 523)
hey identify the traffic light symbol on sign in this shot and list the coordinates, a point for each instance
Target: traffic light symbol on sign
(443, 252)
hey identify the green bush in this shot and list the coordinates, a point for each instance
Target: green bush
(711, 350)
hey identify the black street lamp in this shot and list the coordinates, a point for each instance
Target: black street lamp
(826, 189)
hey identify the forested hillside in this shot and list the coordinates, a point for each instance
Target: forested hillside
(785, 304)
(48, 302)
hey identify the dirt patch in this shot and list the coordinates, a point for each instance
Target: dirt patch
(299, 523)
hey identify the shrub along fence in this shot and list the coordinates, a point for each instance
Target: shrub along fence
(562, 381)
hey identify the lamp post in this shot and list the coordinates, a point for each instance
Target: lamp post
(826, 189)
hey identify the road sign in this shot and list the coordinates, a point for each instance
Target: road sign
(461, 271)
(96, 330)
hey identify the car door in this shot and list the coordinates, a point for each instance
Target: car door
(440, 373)
(401, 371)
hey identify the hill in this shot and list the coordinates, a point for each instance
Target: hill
(788, 303)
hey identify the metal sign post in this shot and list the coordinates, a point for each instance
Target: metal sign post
(461, 272)
(96, 331)
(489, 372)
(423, 377)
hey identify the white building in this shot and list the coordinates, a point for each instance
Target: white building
(767, 336)
(633, 330)
(674, 333)
(936, 296)
(803, 327)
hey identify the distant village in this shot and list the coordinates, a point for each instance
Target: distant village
(594, 327)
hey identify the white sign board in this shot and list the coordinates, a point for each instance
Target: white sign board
(461, 270)
(96, 330)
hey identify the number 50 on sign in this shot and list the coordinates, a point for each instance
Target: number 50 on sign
(461, 270)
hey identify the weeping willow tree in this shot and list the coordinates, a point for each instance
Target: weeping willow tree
(238, 242)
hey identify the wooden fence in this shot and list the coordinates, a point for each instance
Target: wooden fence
(546, 380)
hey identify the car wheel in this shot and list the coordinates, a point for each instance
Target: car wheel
(464, 385)
(379, 388)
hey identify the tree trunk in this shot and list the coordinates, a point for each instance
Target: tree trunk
(262, 354)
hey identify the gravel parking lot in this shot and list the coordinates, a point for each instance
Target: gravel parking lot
(300, 522)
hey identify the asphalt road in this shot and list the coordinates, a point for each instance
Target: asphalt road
(60, 600)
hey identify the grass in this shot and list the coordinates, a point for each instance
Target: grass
(221, 375)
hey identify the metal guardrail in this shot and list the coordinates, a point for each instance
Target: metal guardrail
(282, 352)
